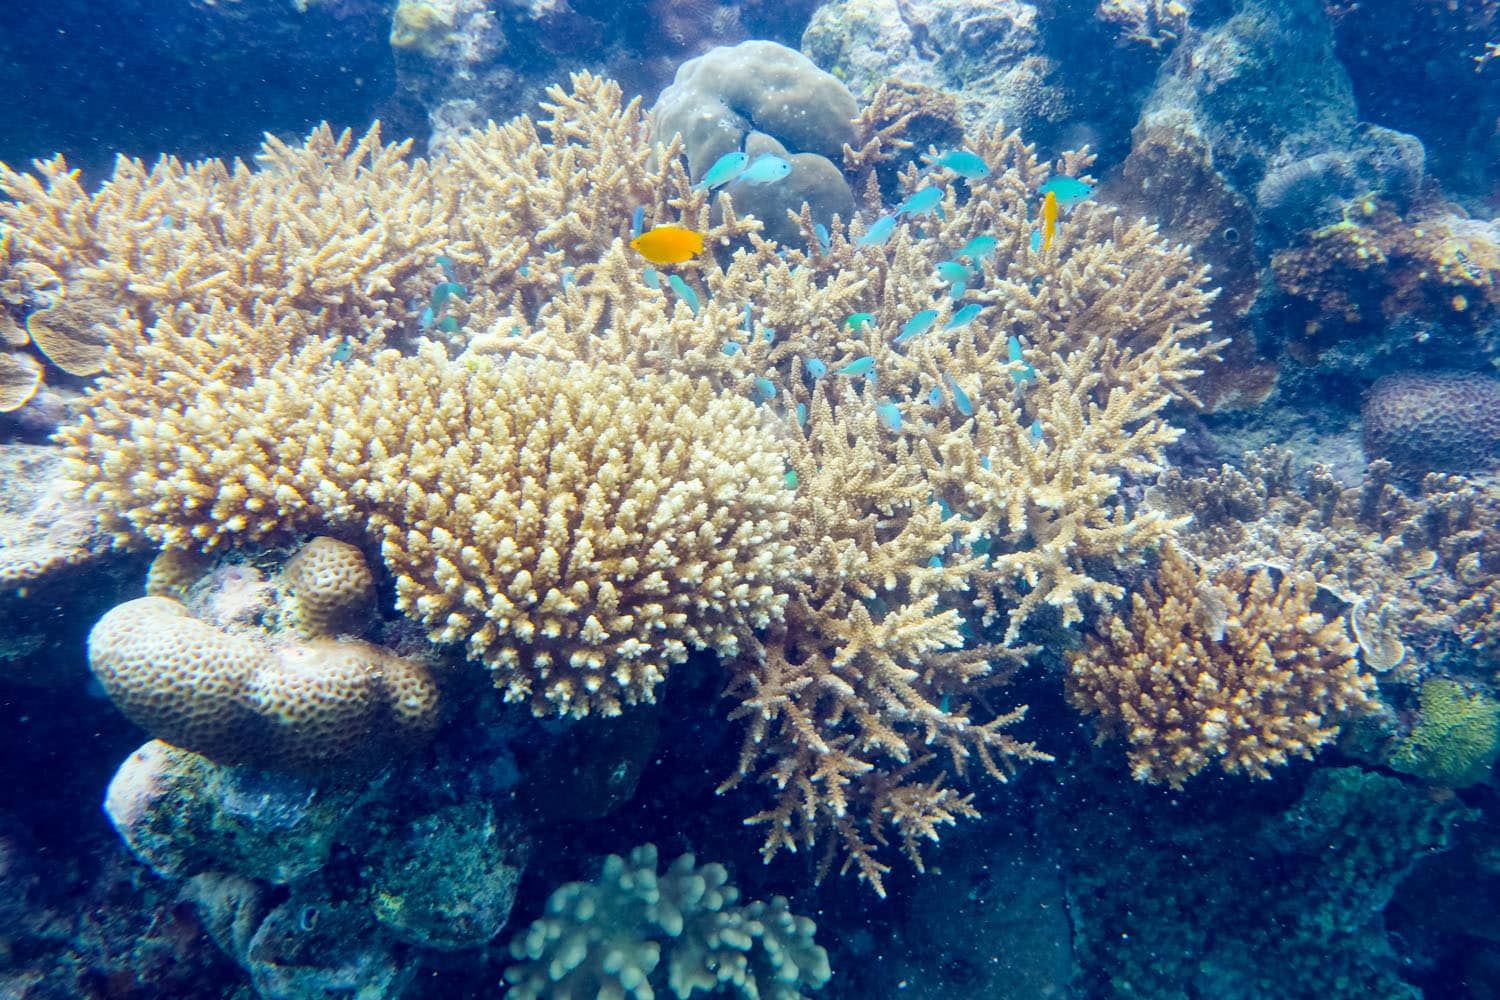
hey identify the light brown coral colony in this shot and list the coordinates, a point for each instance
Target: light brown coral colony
(583, 478)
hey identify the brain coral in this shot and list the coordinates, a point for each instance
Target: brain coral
(1238, 669)
(330, 585)
(243, 695)
(1442, 422)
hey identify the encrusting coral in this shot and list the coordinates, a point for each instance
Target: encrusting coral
(867, 547)
(1236, 669)
(226, 687)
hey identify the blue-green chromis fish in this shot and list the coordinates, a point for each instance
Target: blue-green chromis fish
(879, 232)
(725, 169)
(1013, 350)
(653, 280)
(801, 414)
(921, 202)
(730, 349)
(637, 221)
(343, 351)
(935, 397)
(953, 272)
(917, 325)
(767, 168)
(960, 398)
(890, 415)
(857, 320)
(765, 389)
(1036, 241)
(864, 365)
(824, 240)
(790, 479)
(427, 318)
(446, 263)
(979, 248)
(684, 293)
(964, 316)
(1036, 431)
(448, 324)
(816, 368)
(962, 162)
(1069, 191)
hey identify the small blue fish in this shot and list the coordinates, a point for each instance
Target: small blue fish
(878, 233)
(790, 479)
(731, 349)
(964, 316)
(824, 240)
(816, 368)
(427, 318)
(524, 271)
(653, 280)
(448, 324)
(566, 280)
(858, 320)
(637, 221)
(953, 272)
(446, 263)
(921, 202)
(1036, 432)
(935, 562)
(960, 398)
(342, 352)
(747, 324)
(768, 335)
(917, 325)
(767, 168)
(1036, 241)
(684, 293)
(962, 162)
(957, 291)
(979, 248)
(935, 397)
(765, 389)
(1069, 191)
(890, 415)
(1013, 351)
(801, 414)
(863, 365)
(725, 169)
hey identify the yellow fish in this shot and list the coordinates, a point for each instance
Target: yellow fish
(668, 244)
(1049, 219)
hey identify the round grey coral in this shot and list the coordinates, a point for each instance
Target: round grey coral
(608, 938)
(1439, 422)
(763, 97)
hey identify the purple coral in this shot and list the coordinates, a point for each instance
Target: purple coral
(1434, 422)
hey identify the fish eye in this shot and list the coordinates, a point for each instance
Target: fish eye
(1231, 235)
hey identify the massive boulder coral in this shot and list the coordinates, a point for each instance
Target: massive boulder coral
(1235, 670)
(1433, 422)
(238, 693)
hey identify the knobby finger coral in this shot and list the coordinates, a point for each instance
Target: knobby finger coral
(1236, 670)
(635, 931)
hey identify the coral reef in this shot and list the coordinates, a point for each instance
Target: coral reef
(1234, 669)
(1433, 422)
(1420, 567)
(636, 931)
(893, 563)
(235, 691)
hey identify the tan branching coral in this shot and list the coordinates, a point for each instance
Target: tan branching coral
(1236, 670)
(579, 530)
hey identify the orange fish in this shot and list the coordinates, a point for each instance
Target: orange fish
(1049, 219)
(668, 244)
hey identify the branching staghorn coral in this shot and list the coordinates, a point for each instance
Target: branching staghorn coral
(969, 473)
(1234, 669)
